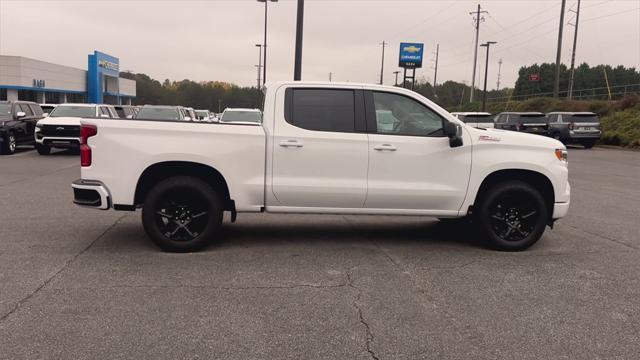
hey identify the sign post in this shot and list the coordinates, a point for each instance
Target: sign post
(410, 58)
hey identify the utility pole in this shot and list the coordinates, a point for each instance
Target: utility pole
(264, 45)
(477, 18)
(259, 70)
(259, 46)
(297, 69)
(499, 71)
(435, 74)
(396, 74)
(573, 53)
(486, 70)
(382, 66)
(556, 85)
(606, 79)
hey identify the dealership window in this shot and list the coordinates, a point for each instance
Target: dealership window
(26, 95)
(75, 98)
(52, 97)
(3, 94)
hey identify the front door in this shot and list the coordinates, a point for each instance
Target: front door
(411, 164)
(320, 156)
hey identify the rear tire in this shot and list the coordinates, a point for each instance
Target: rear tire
(512, 215)
(588, 144)
(43, 149)
(182, 214)
(9, 144)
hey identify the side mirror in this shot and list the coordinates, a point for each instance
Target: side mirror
(454, 133)
(20, 114)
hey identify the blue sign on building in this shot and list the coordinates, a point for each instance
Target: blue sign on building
(103, 73)
(411, 55)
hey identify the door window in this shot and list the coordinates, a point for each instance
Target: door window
(400, 115)
(37, 110)
(26, 109)
(323, 110)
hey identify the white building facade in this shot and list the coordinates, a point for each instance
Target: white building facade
(43, 82)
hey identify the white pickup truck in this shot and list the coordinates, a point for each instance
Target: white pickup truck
(322, 149)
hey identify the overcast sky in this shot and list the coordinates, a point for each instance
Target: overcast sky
(214, 39)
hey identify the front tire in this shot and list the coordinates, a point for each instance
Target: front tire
(512, 215)
(182, 214)
(43, 149)
(9, 144)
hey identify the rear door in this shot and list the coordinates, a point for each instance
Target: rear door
(320, 149)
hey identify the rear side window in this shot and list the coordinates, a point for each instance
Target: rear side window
(533, 119)
(585, 118)
(121, 112)
(477, 119)
(323, 110)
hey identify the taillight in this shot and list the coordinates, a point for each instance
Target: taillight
(86, 131)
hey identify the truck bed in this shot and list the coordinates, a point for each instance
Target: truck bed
(237, 151)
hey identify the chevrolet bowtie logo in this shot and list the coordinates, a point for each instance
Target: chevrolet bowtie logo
(59, 128)
(411, 49)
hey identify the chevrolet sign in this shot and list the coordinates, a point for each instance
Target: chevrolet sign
(411, 55)
(108, 65)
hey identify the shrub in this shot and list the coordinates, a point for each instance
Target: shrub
(622, 128)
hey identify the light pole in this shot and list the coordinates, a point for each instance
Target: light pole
(259, 46)
(396, 73)
(486, 70)
(297, 66)
(264, 45)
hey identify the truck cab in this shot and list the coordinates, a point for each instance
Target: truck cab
(325, 148)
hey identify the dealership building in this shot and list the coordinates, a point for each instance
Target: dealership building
(29, 79)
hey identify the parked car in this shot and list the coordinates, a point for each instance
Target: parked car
(482, 120)
(161, 112)
(126, 111)
(191, 114)
(61, 129)
(529, 122)
(575, 127)
(203, 115)
(319, 150)
(244, 116)
(46, 108)
(17, 124)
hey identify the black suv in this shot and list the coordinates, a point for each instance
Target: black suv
(529, 122)
(17, 124)
(575, 127)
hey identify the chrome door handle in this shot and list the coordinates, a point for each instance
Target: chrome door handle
(291, 143)
(383, 147)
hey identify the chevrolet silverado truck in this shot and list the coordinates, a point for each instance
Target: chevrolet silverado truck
(61, 129)
(321, 149)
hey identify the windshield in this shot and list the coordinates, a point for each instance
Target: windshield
(248, 116)
(586, 118)
(158, 114)
(533, 119)
(5, 109)
(73, 111)
(475, 118)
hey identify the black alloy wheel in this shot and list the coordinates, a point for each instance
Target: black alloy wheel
(182, 214)
(513, 215)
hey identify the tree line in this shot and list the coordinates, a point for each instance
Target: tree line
(536, 80)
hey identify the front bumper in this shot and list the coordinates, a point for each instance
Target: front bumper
(56, 142)
(92, 194)
(560, 210)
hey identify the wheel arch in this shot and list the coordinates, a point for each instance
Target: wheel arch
(536, 179)
(166, 169)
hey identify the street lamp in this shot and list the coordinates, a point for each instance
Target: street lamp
(264, 45)
(486, 69)
(259, 46)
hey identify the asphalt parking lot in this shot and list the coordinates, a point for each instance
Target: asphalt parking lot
(85, 284)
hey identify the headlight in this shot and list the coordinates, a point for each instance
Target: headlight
(562, 155)
(38, 127)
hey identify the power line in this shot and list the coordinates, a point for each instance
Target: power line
(613, 14)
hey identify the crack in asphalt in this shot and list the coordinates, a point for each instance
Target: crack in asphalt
(65, 266)
(368, 333)
(601, 236)
(276, 287)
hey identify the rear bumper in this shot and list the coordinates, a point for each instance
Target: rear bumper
(92, 194)
(584, 135)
